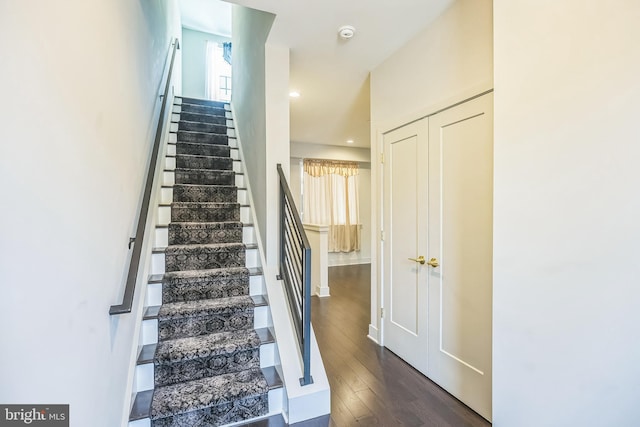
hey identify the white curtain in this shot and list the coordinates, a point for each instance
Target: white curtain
(211, 82)
(218, 75)
(331, 198)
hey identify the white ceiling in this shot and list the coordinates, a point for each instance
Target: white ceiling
(210, 16)
(332, 74)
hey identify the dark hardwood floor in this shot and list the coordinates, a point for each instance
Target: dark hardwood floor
(371, 386)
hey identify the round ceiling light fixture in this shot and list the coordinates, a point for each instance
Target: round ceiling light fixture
(346, 32)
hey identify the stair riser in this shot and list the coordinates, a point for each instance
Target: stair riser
(212, 194)
(200, 150)
(197, 101)
(204, 177)
(162, 237)
(236, 165)
(232, 142)
(169, 179)
(204, 138)
(225, 413)
(194, 162)
(147, 373)
(204, 236)
(261, 319)
(167, 196)
(202, 325)
(167, 374)
(252, 260)
(275, 407)
(201, 109)
(210, 287)
(203, 259)
(156, 296)
(201, 127)
(164, 215)
(202, 118)
(220, 213)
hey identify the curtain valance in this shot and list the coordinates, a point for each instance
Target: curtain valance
(320, 167)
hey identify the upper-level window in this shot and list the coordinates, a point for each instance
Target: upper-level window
(218, 83)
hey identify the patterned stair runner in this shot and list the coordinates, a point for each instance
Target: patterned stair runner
(207, 361)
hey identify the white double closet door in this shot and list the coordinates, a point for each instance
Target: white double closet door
(438, 217)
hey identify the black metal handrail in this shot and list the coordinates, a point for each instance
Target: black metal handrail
(295, 272)
(134, 264)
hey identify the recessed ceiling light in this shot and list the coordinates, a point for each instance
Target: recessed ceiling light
(294, 94)
(349, 141)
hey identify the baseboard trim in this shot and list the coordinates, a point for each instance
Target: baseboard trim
(373, 334)
(358, 261)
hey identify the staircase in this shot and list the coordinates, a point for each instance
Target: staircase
(208, 353)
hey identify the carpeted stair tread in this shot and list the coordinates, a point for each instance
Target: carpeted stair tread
(204, 176)
(190, 348)
(210, 193)
(203, 118)
(192, 285)
(204, 256)
(186, 233)
(157, 278)
(191, 358)
(191, 161)
(204, 212)
(204, 307)
(148, 351)
(203, 149)
(198, 101)
(202, 109)
(202, 317)
(142, 403)
(203, 137)
(202, 127)
(153, 311)
(211, 400)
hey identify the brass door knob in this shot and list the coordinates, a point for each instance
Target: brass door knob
(432, 262)
(420, 259)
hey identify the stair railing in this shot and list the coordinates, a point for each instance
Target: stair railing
(295, 272)
(134, 263)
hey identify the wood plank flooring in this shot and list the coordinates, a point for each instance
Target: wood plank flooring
(371, 386)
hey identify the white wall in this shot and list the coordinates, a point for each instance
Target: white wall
(194, 61)
(277, 139)
(334, 152)
(448, 62)
(250, 31)
(261, 105)
(80, 83)
(566, 294)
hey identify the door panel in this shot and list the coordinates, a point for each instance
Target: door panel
(460, 222)
(405, 322)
